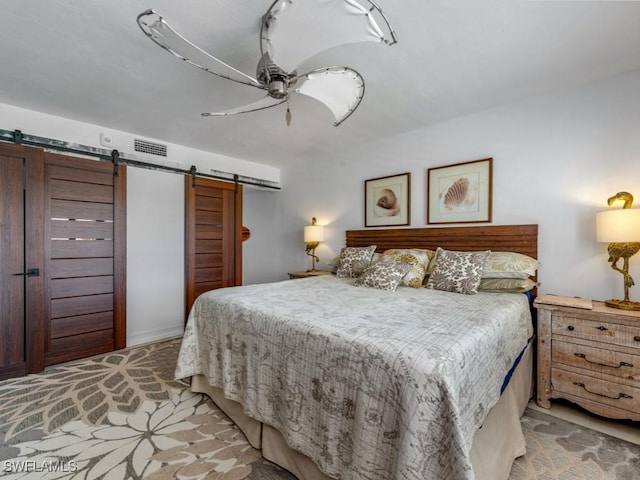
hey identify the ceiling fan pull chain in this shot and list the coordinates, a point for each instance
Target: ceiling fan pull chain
(288, 115)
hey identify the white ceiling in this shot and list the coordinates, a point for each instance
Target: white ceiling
(88, 60)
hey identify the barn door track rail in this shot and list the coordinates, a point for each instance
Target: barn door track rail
(119, 158)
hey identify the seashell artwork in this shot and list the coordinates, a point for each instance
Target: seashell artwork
(461, 193)
(387, 200)
(457, 193)
(388, 203)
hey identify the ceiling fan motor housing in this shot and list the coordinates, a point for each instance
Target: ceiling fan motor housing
(278, 88)
(273, 77)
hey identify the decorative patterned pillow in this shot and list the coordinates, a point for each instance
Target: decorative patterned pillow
(334, 263)
(509, 265)
(418, 257)
(457, 272)
(506, 285)
(383, 274)
(354, 261)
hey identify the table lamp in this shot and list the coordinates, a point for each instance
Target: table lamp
(621, 228)
(313, 235)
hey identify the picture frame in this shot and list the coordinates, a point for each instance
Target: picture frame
(387, 201)
(460, 193)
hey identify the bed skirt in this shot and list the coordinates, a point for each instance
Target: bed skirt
(495, 445)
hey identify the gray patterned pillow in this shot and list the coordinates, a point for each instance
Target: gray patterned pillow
(384, 275)
(354, 261)
(457, 272)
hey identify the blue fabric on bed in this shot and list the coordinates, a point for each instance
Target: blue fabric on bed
(509, 374)
(531, 297)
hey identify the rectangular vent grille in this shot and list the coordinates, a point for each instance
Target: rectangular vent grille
(143, 146)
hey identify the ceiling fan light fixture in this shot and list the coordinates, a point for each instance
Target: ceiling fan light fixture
(291, 32)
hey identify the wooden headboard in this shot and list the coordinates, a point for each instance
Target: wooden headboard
(505, 238)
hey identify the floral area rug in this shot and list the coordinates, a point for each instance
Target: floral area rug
(122, 416)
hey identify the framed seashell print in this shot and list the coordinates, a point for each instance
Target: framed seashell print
(387, 201)
(460, 193)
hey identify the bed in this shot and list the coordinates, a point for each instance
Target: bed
(331, 380)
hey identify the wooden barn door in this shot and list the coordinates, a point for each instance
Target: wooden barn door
(85, 277)
(213, 222)
(21, 261)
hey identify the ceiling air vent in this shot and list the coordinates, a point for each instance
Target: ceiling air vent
(143, 146)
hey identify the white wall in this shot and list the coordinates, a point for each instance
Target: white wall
(262, 254)
(557, 158)
(155, 255)
(155, 217)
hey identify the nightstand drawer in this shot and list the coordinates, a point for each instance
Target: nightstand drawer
(610, 362)
(605, 332)
(596, 390)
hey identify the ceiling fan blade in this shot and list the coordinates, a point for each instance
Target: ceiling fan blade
(340, 88)
(319, 25)
(160, 32)
(264, 102)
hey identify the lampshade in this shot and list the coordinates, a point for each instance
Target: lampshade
(619, 225)
(313, 233)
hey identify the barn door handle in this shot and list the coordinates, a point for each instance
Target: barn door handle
(32, 272)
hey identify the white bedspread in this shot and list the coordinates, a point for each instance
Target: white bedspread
(370, 384)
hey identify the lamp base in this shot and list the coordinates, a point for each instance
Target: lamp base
(623, 304)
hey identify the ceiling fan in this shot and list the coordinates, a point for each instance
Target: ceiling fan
(291, 31)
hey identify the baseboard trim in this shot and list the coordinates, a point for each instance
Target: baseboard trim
(154, 335)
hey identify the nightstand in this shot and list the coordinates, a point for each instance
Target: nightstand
(308, 274)
(590, 357)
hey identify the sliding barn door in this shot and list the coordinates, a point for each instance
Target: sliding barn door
(85, 289)
(21, 261)
(213, 250)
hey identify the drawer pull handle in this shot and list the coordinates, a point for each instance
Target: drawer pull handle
(571, 328)
(601, 328)
(637, 338)
(620, 395)
(621, 364)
